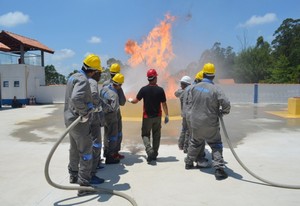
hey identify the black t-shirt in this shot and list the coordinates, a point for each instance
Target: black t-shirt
(153, 96)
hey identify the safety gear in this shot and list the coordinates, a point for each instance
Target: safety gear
(151, 74)
(111, 160)
(85, 192)
(203, 163)
(220, 174)
(186, 80)
(199, 75)
(85, 118)
(130, 99)
(209, 69)
(115, 68)
(166, 119)
(189, 166)
(93, 62)
(96, 180)
(73, 179)
(118, 79)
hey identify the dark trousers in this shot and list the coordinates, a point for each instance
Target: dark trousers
(151, 125)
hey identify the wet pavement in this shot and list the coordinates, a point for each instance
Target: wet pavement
(268, 144)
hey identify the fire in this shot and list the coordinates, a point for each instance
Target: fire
(156, 52)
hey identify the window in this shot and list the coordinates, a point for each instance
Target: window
(16, 83)
(5, 83)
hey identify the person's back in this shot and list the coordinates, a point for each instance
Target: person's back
(153, 96)
(206, 101)
(75, 99)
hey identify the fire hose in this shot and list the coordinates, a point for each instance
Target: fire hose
(270, 183)
(92, 189)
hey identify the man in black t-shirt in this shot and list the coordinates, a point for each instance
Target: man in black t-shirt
(153, 97)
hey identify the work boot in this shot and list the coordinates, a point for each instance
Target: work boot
(99, 167)
(96, 180)
(118, 156)
(189, 166)
(73, 179)
(111, 160)
(220, 174)
(85, 192)
(203, 163)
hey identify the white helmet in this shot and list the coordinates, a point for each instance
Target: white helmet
(186, 79)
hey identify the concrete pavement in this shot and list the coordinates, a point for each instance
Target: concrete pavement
(268, 145)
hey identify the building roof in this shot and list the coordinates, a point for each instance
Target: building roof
(14, 41)
(3, 47)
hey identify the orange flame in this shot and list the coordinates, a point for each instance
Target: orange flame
(156, 52)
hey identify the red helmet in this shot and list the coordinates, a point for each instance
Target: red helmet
(152, 73)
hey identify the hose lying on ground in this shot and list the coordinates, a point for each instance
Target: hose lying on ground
(92, 189)
(274, 184)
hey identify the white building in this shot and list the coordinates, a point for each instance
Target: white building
(21, 67)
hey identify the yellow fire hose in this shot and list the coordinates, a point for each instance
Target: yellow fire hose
(270, 183)
(92, 189)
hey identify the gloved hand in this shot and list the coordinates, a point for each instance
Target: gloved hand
(97, 109)
(130, 100)
(84, 118)
(222, 113)
(166, 119)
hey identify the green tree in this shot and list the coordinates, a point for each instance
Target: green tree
(223, 58)
(53, 77)
(253, 64)
(286, 51)
(287, 41)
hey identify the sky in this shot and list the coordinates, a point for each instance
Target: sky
(75, 28)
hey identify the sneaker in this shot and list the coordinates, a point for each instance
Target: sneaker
(220, 174)
(85, 192)
(111, 160)
(189, 166)
(96, 180)
(203, 163)
(73, 179)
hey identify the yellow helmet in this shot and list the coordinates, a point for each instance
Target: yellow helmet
(118, 79)
(209, 69)
(199, 75)
(115, 68)
(93, 62)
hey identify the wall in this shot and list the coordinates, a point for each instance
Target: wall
(30, 78)
(237, 93)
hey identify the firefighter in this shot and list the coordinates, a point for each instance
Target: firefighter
(79, 102)
(110, 105)
(185, 81)
(207, 102)
(96, 121)
(115, 69)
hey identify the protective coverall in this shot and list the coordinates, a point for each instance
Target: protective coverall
(184, 137)
(205, 101)
(122, 101)
(78, 102)
(95, 125)
(110, 106)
